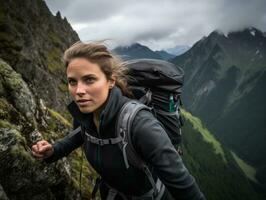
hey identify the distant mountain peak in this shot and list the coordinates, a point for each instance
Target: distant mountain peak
(135, 51)
(178, 49)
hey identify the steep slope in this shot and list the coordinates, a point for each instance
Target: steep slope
(213, 166)
(136, 51)
(32, 82)
(225, 86)
(32, 41)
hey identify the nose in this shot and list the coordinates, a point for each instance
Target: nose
(80, 89)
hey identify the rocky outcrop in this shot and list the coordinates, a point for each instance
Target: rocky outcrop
(15, 89)
(22, 176)
(32, 41)
(33, 98)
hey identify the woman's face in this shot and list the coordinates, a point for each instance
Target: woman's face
(87, 84)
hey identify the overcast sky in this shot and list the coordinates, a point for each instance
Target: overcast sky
(158, 24)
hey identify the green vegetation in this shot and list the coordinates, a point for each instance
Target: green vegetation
(217, 179)
(55, 64)
(63, 87)
(55, 115)
(6, 124)
(12, 80)
(249, 171)
(54, 38)
(4, 107)
(79, 161)
(207, 136)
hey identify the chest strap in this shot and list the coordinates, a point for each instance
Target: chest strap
(102, 142)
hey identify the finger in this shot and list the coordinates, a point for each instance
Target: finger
(41, 143)
(45, 148)
(34, 148)
(37, 155)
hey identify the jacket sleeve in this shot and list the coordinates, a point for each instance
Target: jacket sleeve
(65, 146)
(154, 146)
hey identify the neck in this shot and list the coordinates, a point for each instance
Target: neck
(96, 118)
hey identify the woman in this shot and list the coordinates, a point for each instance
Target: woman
(98, 87)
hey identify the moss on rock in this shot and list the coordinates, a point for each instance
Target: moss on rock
(63, 87)
(59, 118)
(55, 64)
(11, 79)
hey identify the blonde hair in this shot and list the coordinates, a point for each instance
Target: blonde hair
(97, 52)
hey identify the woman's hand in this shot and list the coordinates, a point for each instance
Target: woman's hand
(42, 149)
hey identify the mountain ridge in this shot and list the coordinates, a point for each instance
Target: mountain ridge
(224, 86)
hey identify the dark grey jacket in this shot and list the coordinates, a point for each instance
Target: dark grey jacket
(149, 139)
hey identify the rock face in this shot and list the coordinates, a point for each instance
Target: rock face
(32, 81)
(23, 177)
(32, 41)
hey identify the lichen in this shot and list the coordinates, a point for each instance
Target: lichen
(12, 80)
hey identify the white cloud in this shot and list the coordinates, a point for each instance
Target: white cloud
(156, 23)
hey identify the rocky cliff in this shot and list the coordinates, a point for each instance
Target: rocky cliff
(32, 41)
(33, 93)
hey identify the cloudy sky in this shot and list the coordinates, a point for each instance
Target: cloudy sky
(159, 24)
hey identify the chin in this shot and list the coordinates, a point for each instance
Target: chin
(86, 110)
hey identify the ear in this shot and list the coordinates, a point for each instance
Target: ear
(112, 81)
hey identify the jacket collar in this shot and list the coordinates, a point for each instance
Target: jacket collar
(108, 114)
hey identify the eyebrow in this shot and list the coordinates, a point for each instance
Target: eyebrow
(85, 76)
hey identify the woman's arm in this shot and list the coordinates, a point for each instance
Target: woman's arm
(154, 146)
(43, 150)
(65, 146)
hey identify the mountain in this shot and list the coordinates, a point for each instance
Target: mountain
(33, 96)
(178, 50)
(214, 167)
(136, 51)
(225, 86)
(165, 55)
(32, 41)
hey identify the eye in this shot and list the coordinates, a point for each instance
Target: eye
(89, 80)
(72, 82)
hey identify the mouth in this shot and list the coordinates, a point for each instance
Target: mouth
(83, 102)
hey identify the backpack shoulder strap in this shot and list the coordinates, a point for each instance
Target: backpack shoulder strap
(123, 128)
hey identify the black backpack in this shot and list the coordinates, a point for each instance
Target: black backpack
(156, 85)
